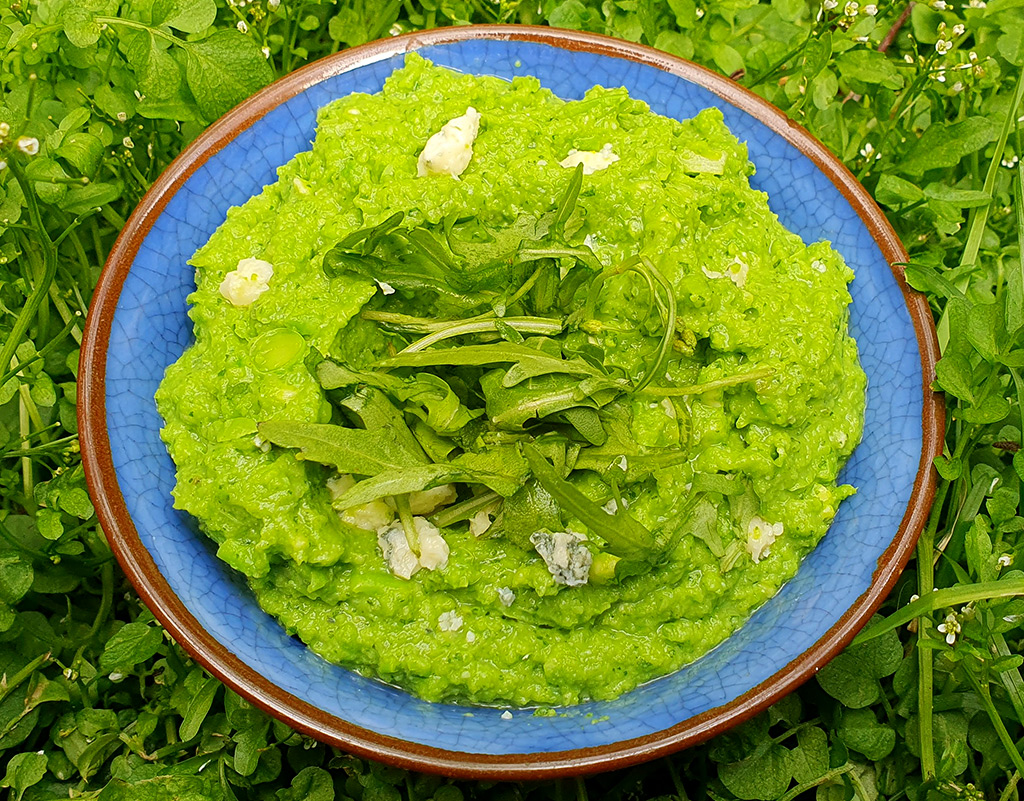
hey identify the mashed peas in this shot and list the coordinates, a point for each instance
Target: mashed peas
(725, 456)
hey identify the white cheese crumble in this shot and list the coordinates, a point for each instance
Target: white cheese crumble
(249, 280)
(429, 501)
(611, 507)
(506, 596)
(433, 548)
(450, 149)
(479, 523)
(622, 464)
(735, 271)
(449, 621)
(592, 160)
(567, 558)
(506, 715)
(367, 516)
(818, 265)
(385, 287)
(401, 560)
(761, 535)
(470, 637)
(396, 551)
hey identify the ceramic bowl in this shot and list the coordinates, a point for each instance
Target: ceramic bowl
(138, 325)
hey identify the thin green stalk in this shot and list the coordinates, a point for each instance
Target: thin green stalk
(940, 599)
(1011, 785)
(412, 536)
(1011, 679)
(42, 286)
(464, 509)
(25, 428)
(835, 773)
(925, 682)
(978, 222)
(676, 781)
(106, 600)
(22, 675)
(782, 61)
(708, 386)
(526, 325)
(14, 542)
(982, 689)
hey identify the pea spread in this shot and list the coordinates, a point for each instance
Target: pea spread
(510, 400)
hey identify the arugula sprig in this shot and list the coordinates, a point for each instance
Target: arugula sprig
(504, 398)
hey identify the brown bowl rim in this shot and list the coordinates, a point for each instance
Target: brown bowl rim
(215, 657)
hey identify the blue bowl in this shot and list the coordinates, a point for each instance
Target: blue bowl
(138, 326)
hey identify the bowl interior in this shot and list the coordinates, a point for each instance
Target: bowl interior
(150, 329)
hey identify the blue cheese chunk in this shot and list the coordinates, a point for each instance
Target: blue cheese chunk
(567, 558)
(450, 150)
(400, 557)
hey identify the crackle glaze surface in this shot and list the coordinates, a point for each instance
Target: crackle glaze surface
(150, 329)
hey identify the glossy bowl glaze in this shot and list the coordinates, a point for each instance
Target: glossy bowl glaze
(138, 325)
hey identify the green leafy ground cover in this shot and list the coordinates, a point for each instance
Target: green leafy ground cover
(921, 102)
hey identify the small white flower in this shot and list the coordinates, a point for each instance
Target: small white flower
(977, 4)
(908, 58)
(265, 51)
(449, 621)
(127, 142)
(28, 145)
(242, 26)
(914, 597)
(958, 29)
(1005, 560)
(939, 5)
(699, 12)
(958, 86)
(869, 152)
(116, 677)
(871, 9)
(122, 116)
(395, 30)
(273, 4)
(851, 8)
(828, 5)
(761, 535)
(4, 129)
(943, 46)
(950, 627)
(3, 165)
